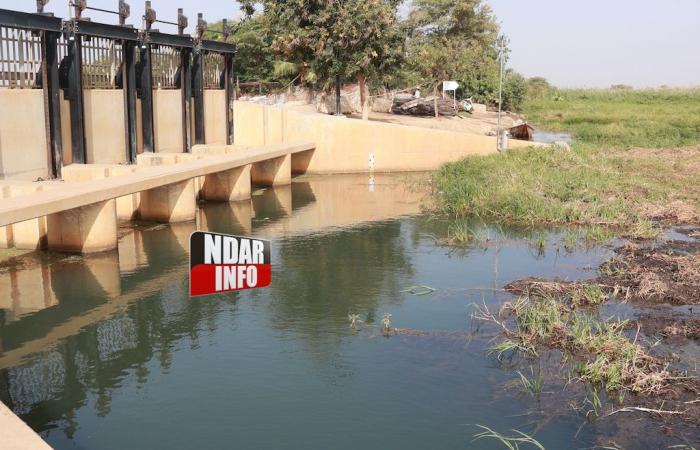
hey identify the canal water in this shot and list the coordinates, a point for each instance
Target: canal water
(109, 352)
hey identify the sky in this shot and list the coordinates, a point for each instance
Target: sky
(582, 43)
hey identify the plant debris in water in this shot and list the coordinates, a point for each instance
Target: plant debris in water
(613, 354)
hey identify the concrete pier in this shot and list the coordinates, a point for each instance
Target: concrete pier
(171, 203)
(29, 234)
(88, 229)
(273, 172)
(228, 186)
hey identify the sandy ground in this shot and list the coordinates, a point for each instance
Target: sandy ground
(478, 122)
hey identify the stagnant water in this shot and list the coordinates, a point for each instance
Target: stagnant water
(109, 352)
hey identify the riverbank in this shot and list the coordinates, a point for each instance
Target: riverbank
(627, 170)
(632, 177)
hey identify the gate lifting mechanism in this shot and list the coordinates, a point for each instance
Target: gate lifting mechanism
(119, 57)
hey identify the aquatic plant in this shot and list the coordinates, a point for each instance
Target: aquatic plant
(510, 442)
(419, 290)
(386, 322)
(354, 318)
(532, 386)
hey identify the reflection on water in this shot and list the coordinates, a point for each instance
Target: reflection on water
(110, 352)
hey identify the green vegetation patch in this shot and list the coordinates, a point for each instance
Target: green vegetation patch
(619, 118)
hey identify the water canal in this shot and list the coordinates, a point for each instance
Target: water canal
(109, 352)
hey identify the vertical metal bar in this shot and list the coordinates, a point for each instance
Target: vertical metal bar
(129, 86)
(228, 86)
(186, 86)
(75, 95)
(198, 86)
(51, 86)
(147, 98)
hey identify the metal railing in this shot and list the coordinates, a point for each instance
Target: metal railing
(20, 58)
(166, 62)
(214, 67)
(102, 61)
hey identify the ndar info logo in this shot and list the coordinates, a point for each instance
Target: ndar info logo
(220, 263)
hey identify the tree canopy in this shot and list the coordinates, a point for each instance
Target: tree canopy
(313, 41)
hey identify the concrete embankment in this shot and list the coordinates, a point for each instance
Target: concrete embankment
(352, 145)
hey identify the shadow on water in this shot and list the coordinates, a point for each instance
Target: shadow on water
(110, 352)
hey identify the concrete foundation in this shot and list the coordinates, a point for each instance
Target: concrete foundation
(30, 234)
(229, 186)
(171, 203)
(274, 172)
(5, 232)
(90, 229)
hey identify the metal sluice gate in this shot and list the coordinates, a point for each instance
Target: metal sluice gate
(69, 56)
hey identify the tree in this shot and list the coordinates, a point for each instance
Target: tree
(353, 39)
(456, 39)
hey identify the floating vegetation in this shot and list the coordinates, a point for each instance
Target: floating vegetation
(354, 318)
(509, 442)
(419, 290)
(386, 323)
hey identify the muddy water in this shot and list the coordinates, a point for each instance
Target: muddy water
(109, 352)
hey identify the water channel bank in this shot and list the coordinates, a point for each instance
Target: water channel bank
(93, 346)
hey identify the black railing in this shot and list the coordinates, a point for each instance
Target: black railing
(77, 54)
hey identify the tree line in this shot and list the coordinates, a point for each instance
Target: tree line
(376, 44)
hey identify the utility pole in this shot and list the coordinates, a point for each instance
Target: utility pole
(502, 56)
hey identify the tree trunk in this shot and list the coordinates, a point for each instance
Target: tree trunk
(362, 81)
(435, 102)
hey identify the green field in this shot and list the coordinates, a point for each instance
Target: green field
(620, 118)
(607, 178)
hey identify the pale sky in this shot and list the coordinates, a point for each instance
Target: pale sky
(592, 43)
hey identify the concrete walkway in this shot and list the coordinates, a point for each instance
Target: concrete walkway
(75, 195)
(16, 435)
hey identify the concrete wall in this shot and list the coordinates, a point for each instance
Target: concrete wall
(215, 116)
(167, 114)
(349, 145)
(105, 133)
(23, 151)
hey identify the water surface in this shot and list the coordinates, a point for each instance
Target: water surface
(109, 352)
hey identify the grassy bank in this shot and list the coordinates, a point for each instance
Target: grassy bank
(605, 179)
(614, 118)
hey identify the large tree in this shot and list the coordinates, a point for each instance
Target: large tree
(454, 39)
(353, 39)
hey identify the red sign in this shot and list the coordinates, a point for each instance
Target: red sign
(221, 263)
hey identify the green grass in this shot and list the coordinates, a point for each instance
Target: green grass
(607, 118)
(599, 183)
(509, 442)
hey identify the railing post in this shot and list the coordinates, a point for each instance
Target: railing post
(75, 97)
(198, 86)
(147, 97)
(49, 51)
(228, 86)
(129, 86)
(186, 86)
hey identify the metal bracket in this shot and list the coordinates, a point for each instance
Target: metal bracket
(40, 6)
(124, 12)
(150, 16)
(201, 26)
(182, 21)
(78, 7)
